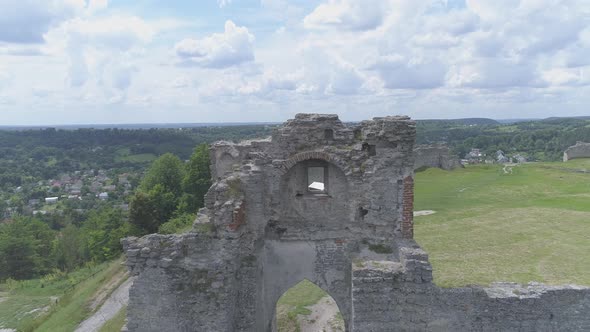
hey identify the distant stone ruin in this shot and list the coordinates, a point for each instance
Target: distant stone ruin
(435, 155)
(580, 150)
(334, 205)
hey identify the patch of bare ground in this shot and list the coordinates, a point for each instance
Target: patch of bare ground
(423, 213)
(324, 317)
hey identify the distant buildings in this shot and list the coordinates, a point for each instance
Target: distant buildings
(475, 156)
(51, 200)
(501, 157)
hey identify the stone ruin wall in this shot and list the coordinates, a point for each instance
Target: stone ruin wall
(435, 155)
(259, 235)
(580, 150)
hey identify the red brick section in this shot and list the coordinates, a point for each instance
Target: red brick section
(408, 208)
(238, 216)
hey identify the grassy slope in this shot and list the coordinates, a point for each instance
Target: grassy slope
(73, 308)
(116, 323)
(28, 304)
(531, 225)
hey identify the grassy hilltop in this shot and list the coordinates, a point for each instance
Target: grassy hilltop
(523, 223)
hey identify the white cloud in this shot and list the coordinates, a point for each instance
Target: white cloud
(223, 3)
(25, 21)
(96, 45)
(114, 32)
(488, 73)
(347, 14)
(21, 50)
(421, 57)
(5, 78)
(398, 72)
(567, 76)
(96, 6)
(220, 50)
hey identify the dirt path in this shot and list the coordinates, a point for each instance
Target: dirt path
(508, 168)
(323, 317)
(108, 310)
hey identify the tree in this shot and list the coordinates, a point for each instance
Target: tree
(68, 249)
(167, 171)
(197, 180)
(102, 232)
(25, 248)
(141, 212)
(18, 258)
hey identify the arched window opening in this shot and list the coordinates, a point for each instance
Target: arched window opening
(316, 179)
(329, 134)
(307, 308)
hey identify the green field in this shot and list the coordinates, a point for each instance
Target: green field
(530, 224)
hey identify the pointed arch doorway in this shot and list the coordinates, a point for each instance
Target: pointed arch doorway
(305, 307)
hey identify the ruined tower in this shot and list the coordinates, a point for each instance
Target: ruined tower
(329, 203)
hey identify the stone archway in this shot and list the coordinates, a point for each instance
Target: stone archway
(288, 262)
(306, 307)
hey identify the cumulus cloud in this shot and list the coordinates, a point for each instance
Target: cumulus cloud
(220, 50)
(345, 79)
(5, 78)
(21, 50)
(223, 3)
(114, 32)
(347, 14)
(567, 76)
(490, 73)
(375, 53)
(398, 72)
(25, 21)
(92, 44)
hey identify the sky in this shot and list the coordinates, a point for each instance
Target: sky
(148, 61)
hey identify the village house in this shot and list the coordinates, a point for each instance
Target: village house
(51, 200)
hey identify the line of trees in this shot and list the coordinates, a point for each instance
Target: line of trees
(542, 140)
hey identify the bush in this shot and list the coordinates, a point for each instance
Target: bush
(178, 224)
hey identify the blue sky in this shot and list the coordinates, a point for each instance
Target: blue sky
(100, 61)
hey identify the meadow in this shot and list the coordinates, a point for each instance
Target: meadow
(529, 222)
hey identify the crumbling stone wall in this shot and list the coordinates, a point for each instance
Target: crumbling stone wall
(262, 231)
(580, 150)
(401, 297)
(435, 155)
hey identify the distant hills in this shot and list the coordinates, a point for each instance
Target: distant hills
(438, 122)
(139, 125)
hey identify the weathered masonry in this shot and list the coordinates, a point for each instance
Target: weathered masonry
(435, 155)
(332, 204)
(580, 150)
